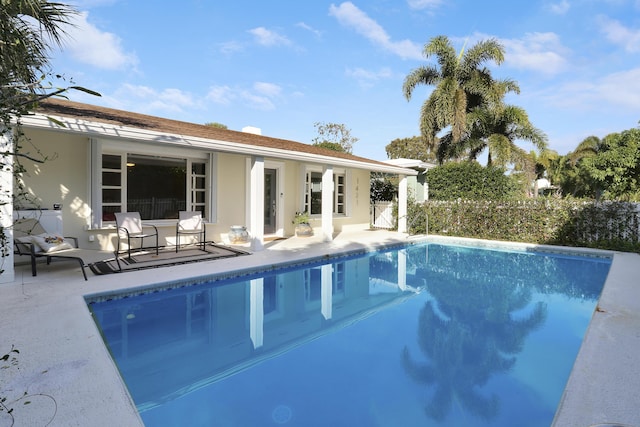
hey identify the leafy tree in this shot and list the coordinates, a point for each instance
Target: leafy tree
(616, 168)
(414, 147)
(216, 125)
(27, 28)
(461, 83)
(383, 187)
(332, 135)
(331, 146)
(469, 180)
(574, 179)
(590, 146)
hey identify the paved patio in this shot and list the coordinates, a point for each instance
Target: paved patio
(62, 354)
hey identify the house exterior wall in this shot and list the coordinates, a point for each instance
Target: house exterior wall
(62, 179)
(66, 179)
(231, 194)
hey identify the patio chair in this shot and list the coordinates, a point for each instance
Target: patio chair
(31, 239)
(130, 226)
(190, 223)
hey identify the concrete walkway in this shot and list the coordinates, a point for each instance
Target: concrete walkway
(62, 354)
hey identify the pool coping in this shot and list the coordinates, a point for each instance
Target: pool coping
(62, 353)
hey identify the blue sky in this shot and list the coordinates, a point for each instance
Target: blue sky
(284, 65)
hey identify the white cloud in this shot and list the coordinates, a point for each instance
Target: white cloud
(368, 78)
(560, 8)
(352, 17)
(541, 52)
(620, 35)
(260, 96)
(150, 100)
(267, 37)
(617, 90)
(89, 45)
(267, 89)
(304, 26)
(620, 88)
(231, 47)
(258, 102)
(221, 95)
(424, 4)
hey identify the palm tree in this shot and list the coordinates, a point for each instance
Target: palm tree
(461, 83)
(497, 130)
(590, 146)
(574, 179)
(26, 28)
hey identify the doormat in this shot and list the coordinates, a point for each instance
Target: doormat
(165, 258)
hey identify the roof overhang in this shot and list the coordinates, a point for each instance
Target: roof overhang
(94, 129)
(411, 163)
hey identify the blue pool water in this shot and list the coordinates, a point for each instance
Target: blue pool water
(424, 335)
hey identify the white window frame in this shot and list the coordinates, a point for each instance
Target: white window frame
(337, 172)
(100, 147)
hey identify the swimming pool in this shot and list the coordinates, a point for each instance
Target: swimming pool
(426, 334)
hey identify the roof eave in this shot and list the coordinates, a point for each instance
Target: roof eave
(100, 129)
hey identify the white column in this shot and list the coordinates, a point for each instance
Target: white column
(256, 203)
(326, 290)
(256, 312)
(6, 205)
(402, 269)
(327, 203)
(402, 204)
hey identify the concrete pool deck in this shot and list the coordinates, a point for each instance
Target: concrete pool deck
(62, 354)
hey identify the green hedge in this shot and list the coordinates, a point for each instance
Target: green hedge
(604, 225)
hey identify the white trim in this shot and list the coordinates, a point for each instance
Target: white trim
(328, 189)
(95, 183)
(280, 174)
(256, 204)
(212, 194)
(6, 204)
(402, 204)
(100, 147)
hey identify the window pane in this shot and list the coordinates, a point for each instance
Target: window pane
(156, 187)
(108, 212)
(111, 179)
(110, 161)
(316, 193)
(198, 168)
(111, 196)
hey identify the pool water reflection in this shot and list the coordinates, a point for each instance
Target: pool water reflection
(421, 335)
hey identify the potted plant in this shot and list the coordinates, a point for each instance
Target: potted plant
(301, 221)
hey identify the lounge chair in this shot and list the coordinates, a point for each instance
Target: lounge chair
(190, 223)
(131, 227)
(31, 239)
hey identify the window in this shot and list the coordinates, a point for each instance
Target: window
(313, 193)
(157, 187)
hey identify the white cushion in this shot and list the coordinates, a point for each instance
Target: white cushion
(51, 243)
(29, 239)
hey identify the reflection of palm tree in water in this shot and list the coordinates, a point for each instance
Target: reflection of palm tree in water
(469, 339)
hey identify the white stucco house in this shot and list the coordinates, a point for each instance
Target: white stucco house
(104, 161)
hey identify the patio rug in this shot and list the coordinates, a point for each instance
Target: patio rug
(166, 257)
